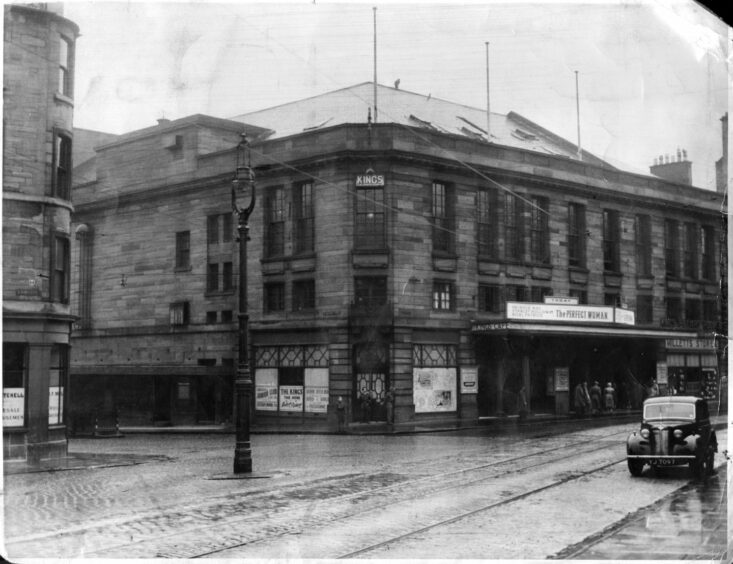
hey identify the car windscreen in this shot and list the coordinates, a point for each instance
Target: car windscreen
(656, 411)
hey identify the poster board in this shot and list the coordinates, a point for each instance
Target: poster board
(316, 390)
(434, 389)
(266, 397)
(469, 379)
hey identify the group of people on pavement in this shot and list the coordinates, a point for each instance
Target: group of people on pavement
(594, 401)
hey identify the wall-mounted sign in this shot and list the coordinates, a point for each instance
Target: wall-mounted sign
(562, 379)
(624, 316)
(662, 373)
(369, 178)
(469, 379)
(550, 312)
(694, 344)
(13, 407)
(560, 300)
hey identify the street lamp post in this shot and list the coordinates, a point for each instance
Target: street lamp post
(243, 176)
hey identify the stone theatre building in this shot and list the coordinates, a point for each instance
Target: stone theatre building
(420, 253)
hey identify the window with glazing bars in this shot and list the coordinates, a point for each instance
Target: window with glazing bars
(275, 223)
(274, 297)
(513, 233)
(62, 166)
(304, 295)
(370, 218)
(644, 309)
(643, 236)
(183, 249)
(60, 270)
(691, 251)
(65, 58)
(671, 248)
(219, 228)
(540, 230)
(707, 244)
(442, 295)
(489, 298)
(442, 220)
(487, 222)
(674, 308)
(576, 235)
(611, 241)
(304, 217)
(370, 291)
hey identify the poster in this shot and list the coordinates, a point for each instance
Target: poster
(562, 379)
(266, 398)
(316, 399)
(55, 405)
(662, 373)
(13, 407)
(469, 379)
(434, 389)
(291, 398)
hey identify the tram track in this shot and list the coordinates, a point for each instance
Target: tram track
(211, 531)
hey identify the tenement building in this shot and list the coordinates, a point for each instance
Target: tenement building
(38, 80)
(447, 257)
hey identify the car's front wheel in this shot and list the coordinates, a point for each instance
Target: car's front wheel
(635, 466)
(702, 467)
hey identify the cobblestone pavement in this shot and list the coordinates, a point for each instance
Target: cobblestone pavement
(331, 495)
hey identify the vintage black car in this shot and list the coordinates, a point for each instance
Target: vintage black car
(675, 430)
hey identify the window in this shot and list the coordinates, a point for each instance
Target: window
(58, 373)
(487, 223)
(707, 244)
(274, 297)
(60, 270)
(370, 224)
(576, 235)
(671, 248)
(226, 316)
(611, 241)
(62, 166)
(183, 250)
(693, 310)
(540, 230)
(581, 295)
(442, 295)
(539, 293)
(304, 295)
(304, 218)
(66, 83)
(612, 299)
(15, 367)
(513, 235)
(212, 277)
(275, 223)
(370, 291)
(179, 313)
(489, 298)
(710, 312)
(515, 293)
(212, 229)
(442, 217)
(691, 251)
(643, 234)
(644, 309)
(227, 284)
(674, 309)
(211, 317)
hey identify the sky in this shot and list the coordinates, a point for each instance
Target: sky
(652, 76)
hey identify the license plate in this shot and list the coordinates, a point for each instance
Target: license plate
(665, 462)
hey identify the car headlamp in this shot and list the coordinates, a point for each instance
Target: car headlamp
(644, 433)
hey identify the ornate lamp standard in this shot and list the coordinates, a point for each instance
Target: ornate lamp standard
(243, 177)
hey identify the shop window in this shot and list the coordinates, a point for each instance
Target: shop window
(370, 219)
(14, 377)
(179, 313)
(671, 248)
(292, 389)
(489, 298)
(62, 156)
(274, 223)
(304, 217)
(60, 270)
(611, 241)
(442, 295)
(442, 218)
(57, 378)
(691, 251)
(707, 235)
(643, 235)
(304, 295)
(183, 250)
(487, 223)
(539, 233)
(513, 228)
(370, 291)
(644, 309)
(576, 235)
(274, 297)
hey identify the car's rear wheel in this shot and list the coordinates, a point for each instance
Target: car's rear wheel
(635, 466)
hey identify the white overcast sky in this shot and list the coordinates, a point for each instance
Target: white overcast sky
(653, 75)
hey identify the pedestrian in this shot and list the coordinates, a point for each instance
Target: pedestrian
(580, 400)
(595, 398)
(365, 402)
(389, 404)
(654, 391)
(341, 414)
(522, 405)
(609, 397)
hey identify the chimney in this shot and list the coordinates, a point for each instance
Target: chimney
(677, 170)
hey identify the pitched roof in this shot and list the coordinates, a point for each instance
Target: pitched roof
(351, 105)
